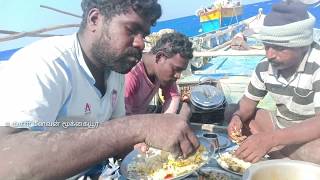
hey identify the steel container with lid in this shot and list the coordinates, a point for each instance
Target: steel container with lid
(206, 97)
(207, 103)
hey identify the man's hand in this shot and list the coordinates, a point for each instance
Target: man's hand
(235, 126)
(255, 147)
(171, 133)
(185, 110)
(141, 147)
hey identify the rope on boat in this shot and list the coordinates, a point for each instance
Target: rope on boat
(36, 32)
(31, 35)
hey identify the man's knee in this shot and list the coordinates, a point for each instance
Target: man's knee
(306, 152)
(262, 122)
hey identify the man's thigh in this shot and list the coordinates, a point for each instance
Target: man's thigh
(306, 152)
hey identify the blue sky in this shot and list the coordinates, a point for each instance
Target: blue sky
(18, 15)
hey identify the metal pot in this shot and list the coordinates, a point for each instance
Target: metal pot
(282, 170)
(206, 98)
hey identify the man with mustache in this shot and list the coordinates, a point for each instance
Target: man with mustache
(78, 81)
(291, 75)
(158, 69)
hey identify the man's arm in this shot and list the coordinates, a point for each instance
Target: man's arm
(171, 105)
(240, 118)
(171, 99)
(247, 109)
(305, 131)
(297, 134)
(57, 155)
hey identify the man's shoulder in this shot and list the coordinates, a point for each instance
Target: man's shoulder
(55, 41)
(46, 49)
(315, 48)
(263, 65)
(315, 54)
(44, 57)
(138, 71)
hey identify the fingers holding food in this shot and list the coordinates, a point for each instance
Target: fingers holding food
(237, 137)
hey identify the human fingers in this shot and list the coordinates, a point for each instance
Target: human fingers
(193, 139)
(240, 150)
(188, 142)
(137, 146)
(256, 159)
(251, 157)
(185, 98)
(231, 127)
(244, 154)
(141, 147)
(144, 148)
(185, 111)
(234, 128)
(176, 150)
(186, 147)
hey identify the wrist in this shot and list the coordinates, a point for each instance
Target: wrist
(236, 115)
(275, 138)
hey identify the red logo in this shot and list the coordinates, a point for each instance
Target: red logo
(87, 108)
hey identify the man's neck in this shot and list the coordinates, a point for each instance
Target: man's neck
(287, 73)
(148, 62)
(86, 45)
(97, 70)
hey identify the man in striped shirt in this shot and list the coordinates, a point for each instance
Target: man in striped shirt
(290, 73)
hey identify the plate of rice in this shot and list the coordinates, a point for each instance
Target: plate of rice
(157, 164)
(229, 162)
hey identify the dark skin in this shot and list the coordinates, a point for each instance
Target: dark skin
(257, 122)
(55, 155)
(134, 28)
(167, 70)
(98, 74)
(286, 60)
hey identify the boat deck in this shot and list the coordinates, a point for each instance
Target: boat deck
(232, 74)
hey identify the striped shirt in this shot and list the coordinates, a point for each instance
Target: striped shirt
(297, 97)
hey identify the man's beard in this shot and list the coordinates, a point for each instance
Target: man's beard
(121, 63)
(275, 64)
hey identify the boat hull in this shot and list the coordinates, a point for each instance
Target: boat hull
(213, 20)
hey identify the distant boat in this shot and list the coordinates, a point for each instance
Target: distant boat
(221, 14)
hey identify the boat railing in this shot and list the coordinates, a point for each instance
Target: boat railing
(212, 40)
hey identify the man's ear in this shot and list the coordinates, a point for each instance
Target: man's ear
(93, 18)
(160, 55)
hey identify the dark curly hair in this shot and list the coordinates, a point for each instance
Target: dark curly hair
(148, 9)
(172, 44)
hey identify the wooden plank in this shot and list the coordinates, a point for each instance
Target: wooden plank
(209, 127)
